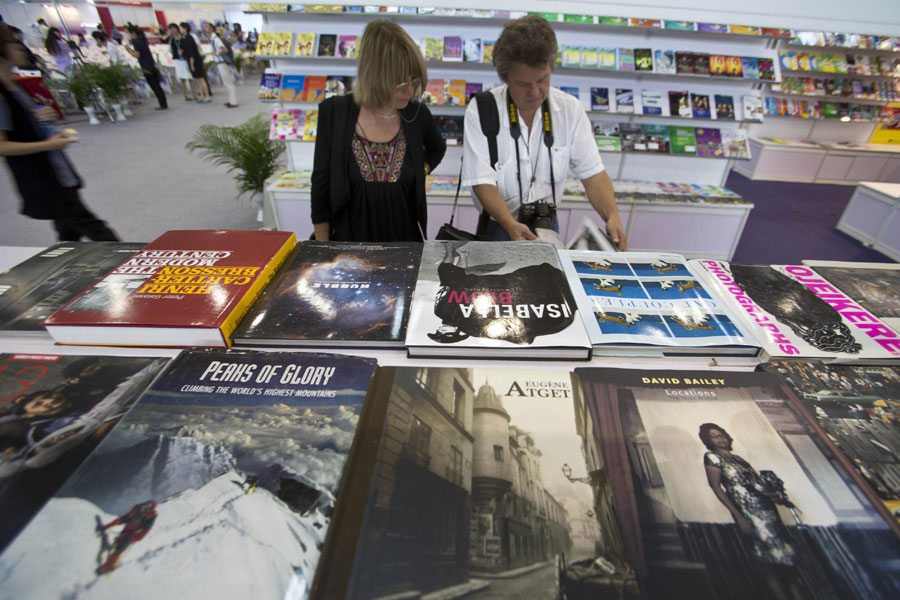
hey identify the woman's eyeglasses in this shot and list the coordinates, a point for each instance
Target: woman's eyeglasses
(415, 84)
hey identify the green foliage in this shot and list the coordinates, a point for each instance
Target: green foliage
(238, 61)
(112, 80)
(246, 150)
(79, 84)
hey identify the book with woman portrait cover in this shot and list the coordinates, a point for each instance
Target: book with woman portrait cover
(225, 470)
(795, 313)
(54, 412)
(723, 485)
(336, 294)
(494, 300)
(35, 288)
(651, 304)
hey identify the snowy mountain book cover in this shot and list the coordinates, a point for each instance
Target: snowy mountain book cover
(219, 483)
(494, 299)
(336, 294)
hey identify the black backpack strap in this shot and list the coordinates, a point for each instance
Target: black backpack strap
(489, 116)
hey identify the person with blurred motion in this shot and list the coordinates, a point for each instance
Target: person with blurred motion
(141, 51)
(222, 57)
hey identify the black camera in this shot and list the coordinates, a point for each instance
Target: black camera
(537, 214)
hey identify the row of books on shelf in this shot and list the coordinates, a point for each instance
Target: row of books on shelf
(859, 64)
(688, 105)
(846, 88)
(845, 40)
(708, 142)
(261, 288)
(241, 474)
(819, 109)
(667, 62)
(294, 124)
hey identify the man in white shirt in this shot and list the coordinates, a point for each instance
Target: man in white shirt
(223, 63)
(524, 56)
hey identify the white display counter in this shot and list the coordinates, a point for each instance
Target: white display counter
(873, 217)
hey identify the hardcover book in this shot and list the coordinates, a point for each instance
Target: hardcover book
(607, 136)
(52, 420)
(451, 129)
(292, 87)
(624, 100)
(766, 69)
(502, 457)
(335, 294)
(734, 66)
(752, 108)
(717, 65)
(795, 313)
(305, 44)
(683, 140)
(314, 87)
(750, 67)
(701, 63)
(857, 408)
(606, 58)
(453, 48)
(347, 46)
(590, 57)
(664, 62)
(724, 106)
(684, 63)
(327, 43)
(265, 43)
(735, 143)
(700, 106)
(680, 104)
(657, 138)
(652, 102)
(487, 51)
(472, 87)
(494, 299)
(434, 48)
(709, 142)
(456, 92)
(228, 465)
(625, 59)
(287, 124)
(643, 59)
(600, 99)
(269, 86)
(434, 92)
(185, 288)
(571, 56)
(311, 126)
(650, 304)
(472, 49)
(282, 43)
(718, 479)
(633, 137)
(35, 288)
(874, 286)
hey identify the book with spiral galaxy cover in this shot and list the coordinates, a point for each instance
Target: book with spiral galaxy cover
(719, 480)
(649, 303)
(795, 313)
(336, 294)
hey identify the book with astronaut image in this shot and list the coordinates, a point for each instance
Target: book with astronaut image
(795, 313)
(53, 413)
(645, 303)
(722, 485)
(336, 294)
(494, 300)
(221, 480)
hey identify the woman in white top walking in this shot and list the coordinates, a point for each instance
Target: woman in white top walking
(222, 57)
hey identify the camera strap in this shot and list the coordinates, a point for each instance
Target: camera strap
(515, 131)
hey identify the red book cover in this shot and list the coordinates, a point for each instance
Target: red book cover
(314, 87)
(186, 288)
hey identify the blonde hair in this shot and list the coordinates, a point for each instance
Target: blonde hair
(387, 57)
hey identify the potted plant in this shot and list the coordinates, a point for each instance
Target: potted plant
(113, 81)
(79, 85)
(245, 149)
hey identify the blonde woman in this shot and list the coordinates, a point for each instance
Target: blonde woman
(375, 146)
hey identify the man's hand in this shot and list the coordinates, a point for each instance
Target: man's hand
(616, 233)
(519, 231)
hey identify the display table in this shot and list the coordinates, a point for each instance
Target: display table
(694, 229)
(873, 217)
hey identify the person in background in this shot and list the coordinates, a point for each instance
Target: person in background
(527, 173)
(223, 63)
(375, 146)
(191, 47)
(238, 34)
(46, 180)
(58, 48)
(116, 35)
(141, 51)
(252, 38)
(182, 70)
(43, 28)
(82, 42)
(33, 61)
(111, 49)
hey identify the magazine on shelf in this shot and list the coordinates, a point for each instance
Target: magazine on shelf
(683, 140)
(680, 104)
(292, 87)
(450, 128)
(335, 294)
(269, 86)
(502, 460)
(311, 126)
(494, 300)
(651, 102)
(472, 49)
(287, 124)
(185, 288)
(327, 44)
(643, 59)
(487, 50)
(473, 87)
(624, 100)
(453, 49)
(434, 49)
(752, 108)
(724, 106)
(606, 58)
(35, 288)
(719, 480)
(347, 46)
(54, 412)
(305, 44)
(282, 43)
(717, 65)
(709, 142)
(750, 67)
(795, 313)
(647, 303)
(607, 136)
(434, 92)
(456, 92)
(625, 59)
(633, 137)
(600, 99)
(314, 87)
(657, 138)
(664, 62)
(874, 286)
(734, 66)
(735, 143)
(684, 63)
(570, 89)
(857, 407)
(226, 468)
(590, 57)
(700, 106)
(701, 63)
(571, 56)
